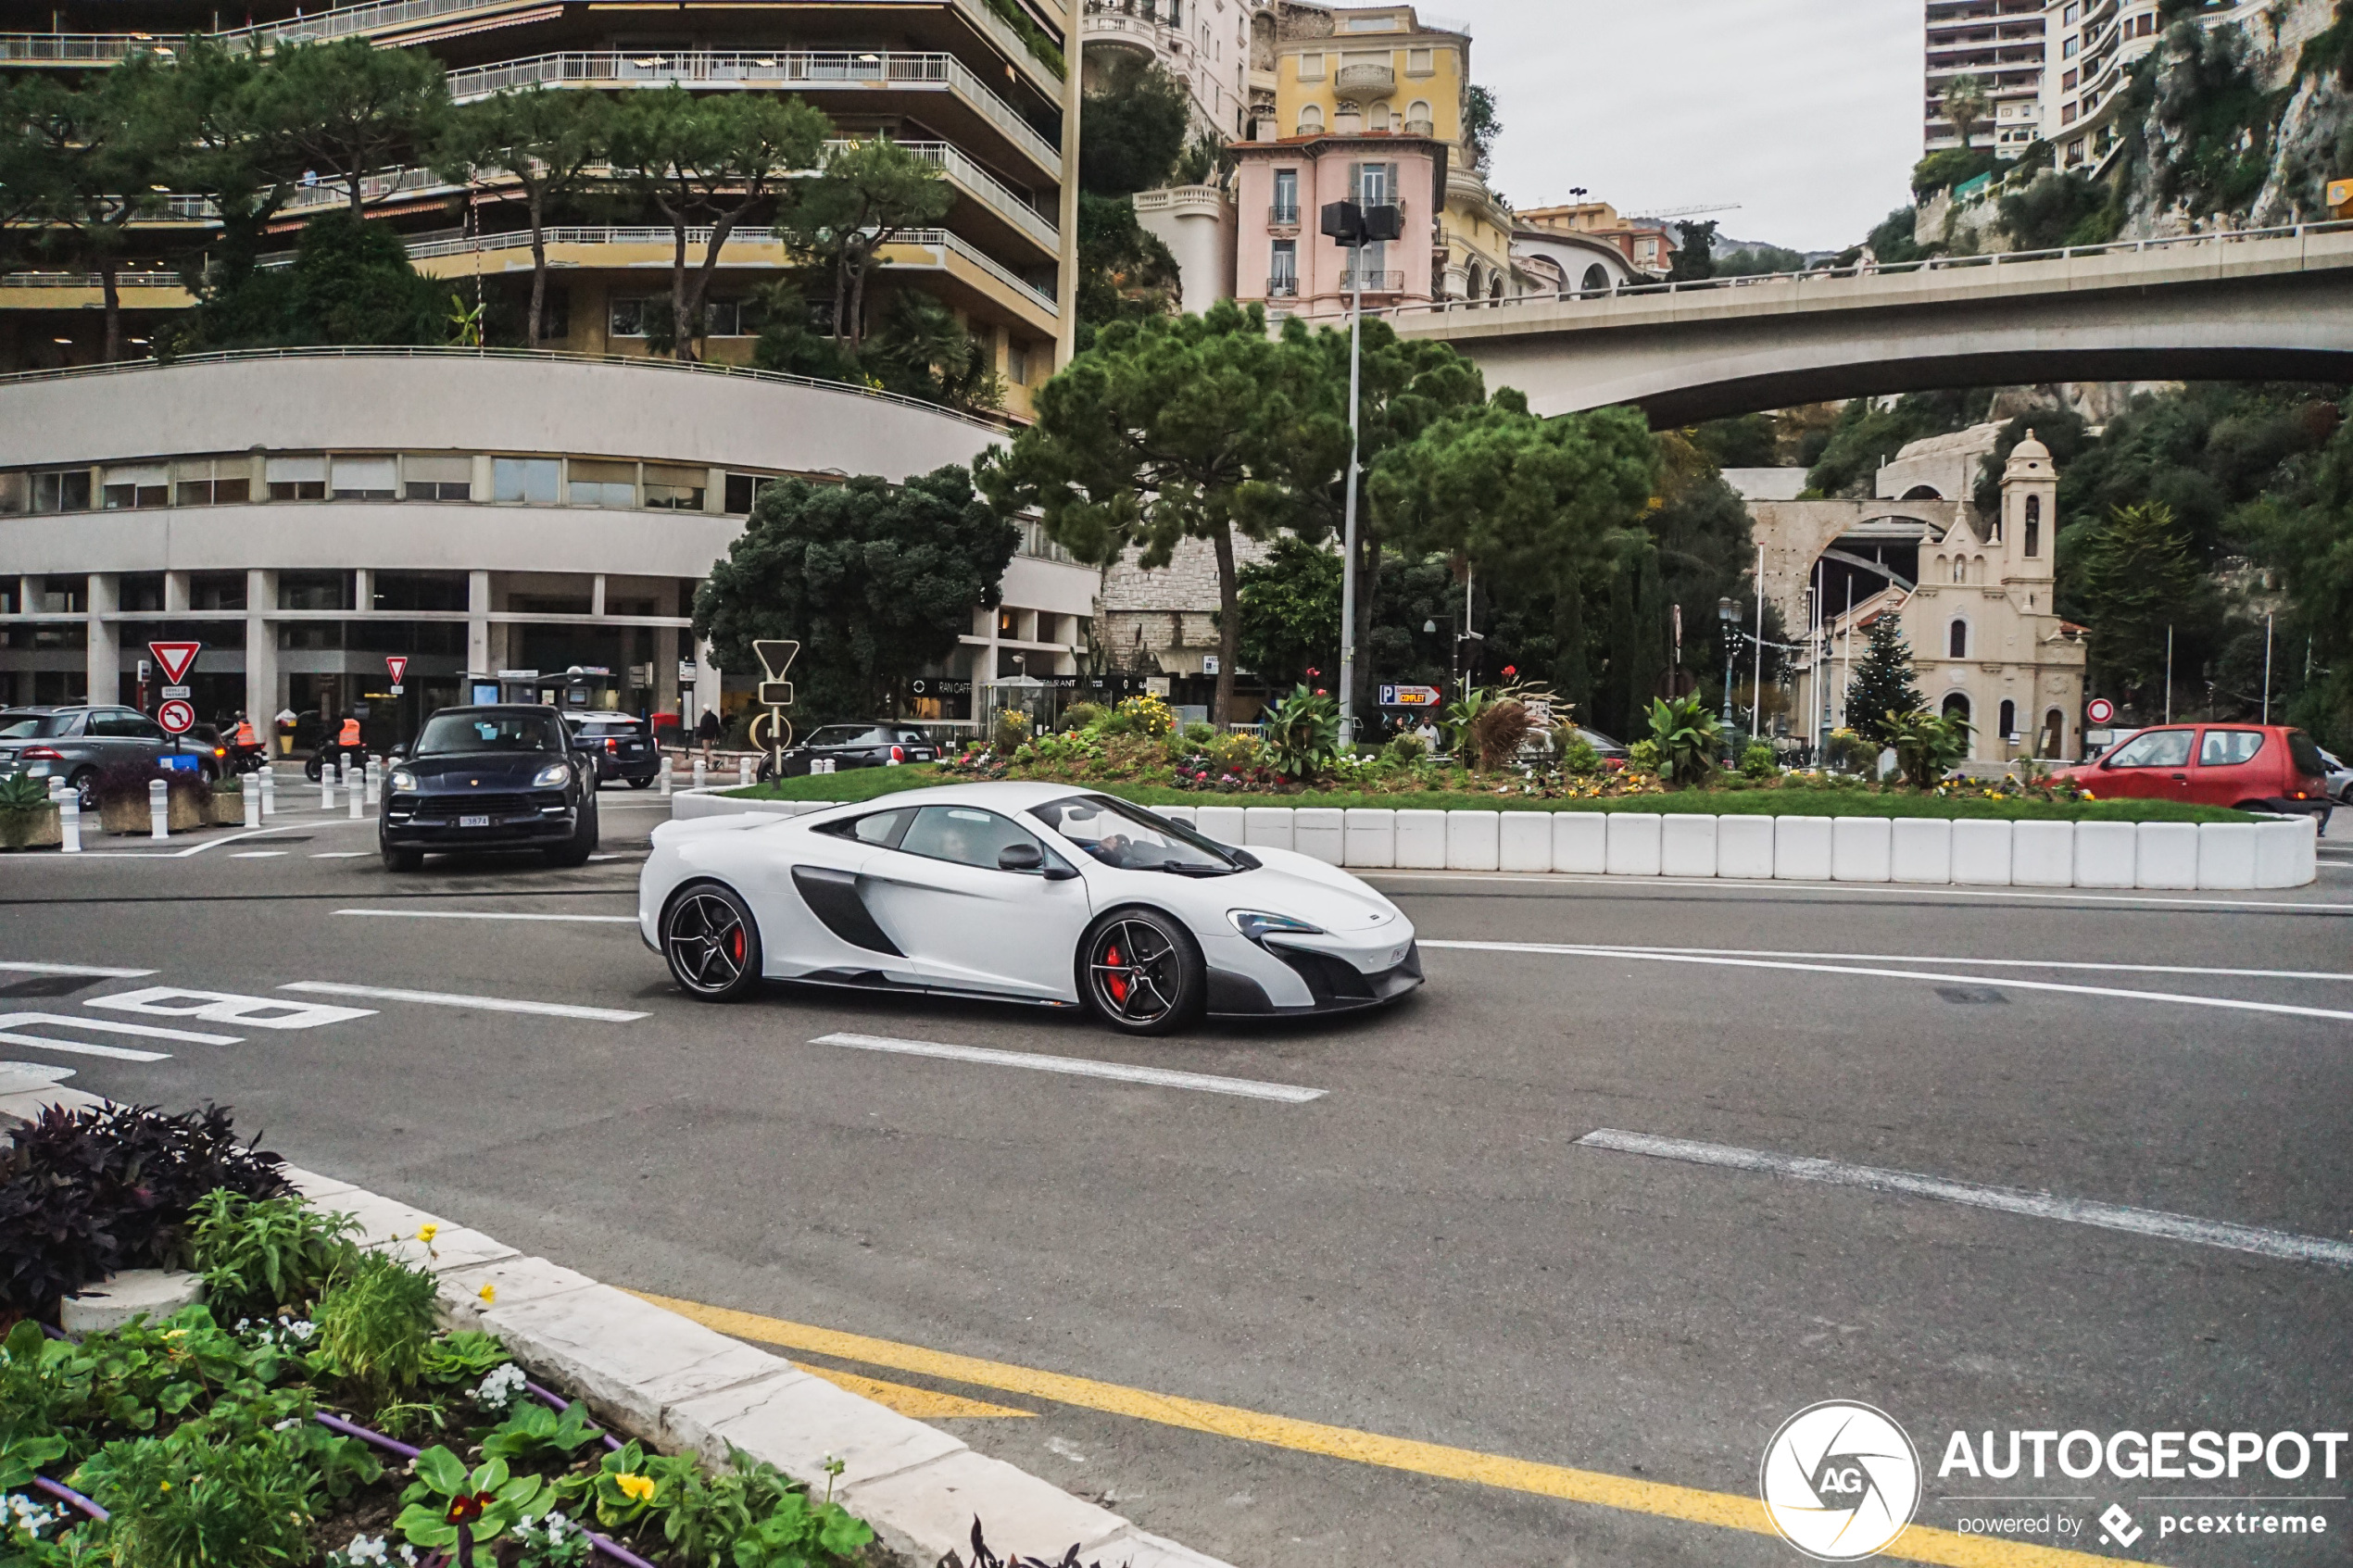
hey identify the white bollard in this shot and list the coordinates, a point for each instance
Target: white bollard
(665, 778)
(159, 808)
(743, 773)
(268, 776)
(702, 774)
(358, 801)
(70, 821)
(251, 787)
(326, 789)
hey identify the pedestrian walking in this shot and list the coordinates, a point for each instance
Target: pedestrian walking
(707, 732)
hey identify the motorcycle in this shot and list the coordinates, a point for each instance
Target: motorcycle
(354, 758)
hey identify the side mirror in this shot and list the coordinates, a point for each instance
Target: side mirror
(1020, 858)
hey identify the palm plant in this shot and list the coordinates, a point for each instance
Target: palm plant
(1927, 746)
(1302, 732)
(1685, 732)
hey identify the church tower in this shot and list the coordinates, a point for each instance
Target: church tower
(2028, 524)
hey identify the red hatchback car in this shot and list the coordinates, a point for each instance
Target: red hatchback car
(2259, 766)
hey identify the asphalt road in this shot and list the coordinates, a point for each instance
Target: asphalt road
(1427, 1254)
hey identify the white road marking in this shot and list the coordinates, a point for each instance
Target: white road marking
(1907, 889)
(1248, 1088)
(18, 1077)
(2007, 1200)
(2007, 982)
(2010, 963)
(452, 999)
(486, 914)
(14, 1021)
(97, 971)
(228, 1006)
(341, 854)
(257, 854)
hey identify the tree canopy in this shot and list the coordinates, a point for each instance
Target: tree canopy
(1132, 128)
(869, 193)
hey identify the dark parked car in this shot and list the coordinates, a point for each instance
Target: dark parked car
(620, 744)
(502, 777)
(877, 745)
(75, 742)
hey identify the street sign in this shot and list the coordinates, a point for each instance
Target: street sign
(1210, 664)
(175, 658)
(771, 732)
(2099, 711)
(397, 688)
(1409, 697)
(177, 691)
(399, 665)
(176, 716)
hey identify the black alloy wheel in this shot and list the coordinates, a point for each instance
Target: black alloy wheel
(712, 944)
(1141, 973)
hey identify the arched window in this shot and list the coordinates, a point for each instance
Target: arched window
(1596, 279)
(1418, 120)
(1311, 120)
(1956, 706)
(2010, 717)
(1956, 641)
(2033, 526)
(1379, 119)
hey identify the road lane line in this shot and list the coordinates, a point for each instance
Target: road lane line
(485, 914)
(97, 971)
(1248, 1088)
(2008, 983)
(2007, 1200)
(257, 854)
(1730, 1511)
(1901, 889)
(454, 999)
(341, 854)
(11, 1022)
(2008, 963)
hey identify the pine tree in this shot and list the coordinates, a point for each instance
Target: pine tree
(1882, 682)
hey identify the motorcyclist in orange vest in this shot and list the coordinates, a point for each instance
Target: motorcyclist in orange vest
(350, 736)
(245, 735)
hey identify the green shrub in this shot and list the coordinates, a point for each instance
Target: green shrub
(1237, 750)
(1302, 734)
(263, 1256)
(1146, 715)
(1758, 761)
(185, 1502)
(374, 1321)
(1684, 731)
(1926, 747)
(1406, 749)
(1008, 731)
(1082, 715)
(1642, 757)
(1198, 734)
(1577, 754)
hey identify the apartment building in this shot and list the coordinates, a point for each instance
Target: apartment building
(1638, 249)
(1364, 104)
(1204, 43)
(2002, 44)
(954, 79)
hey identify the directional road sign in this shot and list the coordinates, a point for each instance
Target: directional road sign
(175, 658)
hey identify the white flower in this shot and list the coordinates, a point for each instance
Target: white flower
(498, 1390)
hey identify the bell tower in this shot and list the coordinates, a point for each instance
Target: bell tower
(2030, 513)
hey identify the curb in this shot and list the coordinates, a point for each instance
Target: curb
(1926, 852)
(686, 1388)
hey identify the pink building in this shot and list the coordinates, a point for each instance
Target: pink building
(1283, 258)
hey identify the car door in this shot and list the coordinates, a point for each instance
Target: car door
(2232, 765)
(2153, 765)
(969, 925)
(815, 906)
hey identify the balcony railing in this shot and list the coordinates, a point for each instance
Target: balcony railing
(1372, 282)
(1168, 13)
(1364, 82)
(841, 69)
(1282, 288)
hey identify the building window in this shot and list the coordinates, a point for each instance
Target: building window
(2072, 15)
(1282, 269)
(1016, 364)
(603, 484)
(1418, 120)
(146, 484)
(437, 479)
(2010, 718)
(66, 490)
(1375, 183)
(2068, 83)
(314, 590)
(1956, 640)
(1311, 69)
(677, 490)
(2072, 48)
(1421, 62)
(207, 481)
(2033, 526)
(1286, 209)
(723, 318)
(217, 590)
(529, 480)
(365, 478)
(1311, 120)
(296, 479)
(743, 494)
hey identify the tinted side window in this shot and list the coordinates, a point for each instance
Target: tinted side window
(2227, 748)
(2158, 748)
(2308, 757)
(884, 828)
(965, 835)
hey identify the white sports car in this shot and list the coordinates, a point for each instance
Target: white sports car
(1031, 892)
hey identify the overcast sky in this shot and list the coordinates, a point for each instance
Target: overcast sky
(1804, 112)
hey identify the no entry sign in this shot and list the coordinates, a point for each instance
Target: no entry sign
(176, 716)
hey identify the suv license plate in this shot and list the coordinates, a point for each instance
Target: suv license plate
(473, 821)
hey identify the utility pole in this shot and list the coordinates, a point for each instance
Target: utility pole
(2267, 669)
(2168, 674)
(1354, 225)
(1756, 691)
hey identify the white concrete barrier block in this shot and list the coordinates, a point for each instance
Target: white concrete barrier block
(1921, 850)
(1471, 841)
(1687, 845)
(1227, 825)
(1319, 831)
(2042, 854)
(1744, 848)
(1633, 843)
(1371, 837)
(1421, 840)
(1862, 850)
(1580, 843)
(2287, 854)
(2165, 855)
(1184, 814)
(1802, 848)
(2107, 853)
(1267, 827)
(2226, 856)
(1525, 841)
(1980, 853)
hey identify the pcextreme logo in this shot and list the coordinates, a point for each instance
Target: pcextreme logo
(1839, 1481)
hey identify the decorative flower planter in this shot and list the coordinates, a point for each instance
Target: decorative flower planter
(37, 828)
(131, 816)
(227, 808)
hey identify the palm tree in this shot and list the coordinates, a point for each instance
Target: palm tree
(1966, 106)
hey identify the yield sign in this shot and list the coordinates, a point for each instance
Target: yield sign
(399, 665)
(175, 658)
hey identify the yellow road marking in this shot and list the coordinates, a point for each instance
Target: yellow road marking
(1730, 1510)
(924, 1404)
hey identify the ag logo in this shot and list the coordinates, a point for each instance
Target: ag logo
(1839, 1481)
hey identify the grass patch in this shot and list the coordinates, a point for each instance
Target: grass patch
(868, 783)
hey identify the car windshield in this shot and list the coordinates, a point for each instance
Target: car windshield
(34, 726)
(485, 730)
(1132, 838)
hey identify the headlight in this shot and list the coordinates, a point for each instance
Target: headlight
(1258, 927)
(403, 781)
(553, 776)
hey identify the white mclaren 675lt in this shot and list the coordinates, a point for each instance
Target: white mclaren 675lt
(1023, 892)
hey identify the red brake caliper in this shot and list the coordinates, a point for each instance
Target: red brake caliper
(740, 943)
(1118, 982)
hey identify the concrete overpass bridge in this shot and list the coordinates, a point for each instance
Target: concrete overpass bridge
(2275, 304)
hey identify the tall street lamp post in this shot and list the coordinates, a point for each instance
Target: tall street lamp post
(1355, 226)
(1728, 612)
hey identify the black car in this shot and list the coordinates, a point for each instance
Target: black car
(502, 777)
(844, 747)
(622, 746)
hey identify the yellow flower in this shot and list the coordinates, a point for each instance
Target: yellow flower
(488, 1292)
(426, 1233)
(167, 1485)
(636, 1489)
